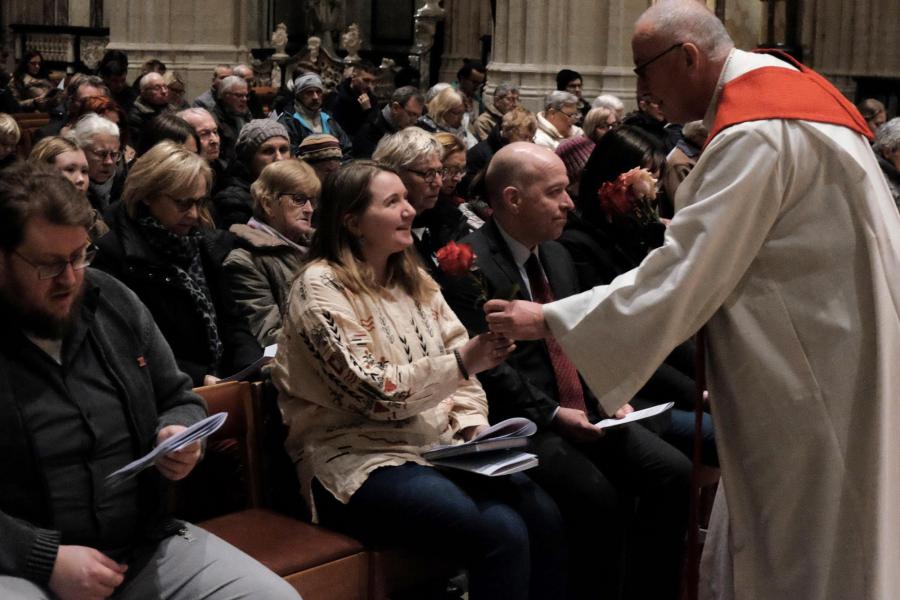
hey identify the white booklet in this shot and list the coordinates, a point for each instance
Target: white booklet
(511, 433)
(492, 464)
(198, 431)
(253, 368)
(635, 416)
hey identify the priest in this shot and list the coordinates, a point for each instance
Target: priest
(786, 247)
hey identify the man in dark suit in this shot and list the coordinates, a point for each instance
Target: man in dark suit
(593, 476)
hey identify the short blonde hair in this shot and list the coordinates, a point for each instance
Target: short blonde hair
(444, 102)
(46, 150)
(9, 129)
(450, 143)
(279, 178)
(517, 119)
(596, 117)
(167, 169)
(404, 148)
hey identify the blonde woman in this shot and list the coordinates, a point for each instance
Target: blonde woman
(9, 139)
(272, 245)
(447, 112)
(161, 245)
(373, 368)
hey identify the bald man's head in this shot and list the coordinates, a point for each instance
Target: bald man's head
(680, 48)
(526, 184)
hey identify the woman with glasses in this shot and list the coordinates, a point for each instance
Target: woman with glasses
(416, 156)
(99, 138)
(452, 217)
(161, 245)
(447, 112)
(373, 368)
(272, 245)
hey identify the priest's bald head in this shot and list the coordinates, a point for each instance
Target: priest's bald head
(680, 48)
(526, 185)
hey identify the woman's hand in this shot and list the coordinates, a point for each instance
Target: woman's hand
(485, 351)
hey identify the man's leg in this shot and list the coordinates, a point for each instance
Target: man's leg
(639, 462)
(16, 588)
(196, 565)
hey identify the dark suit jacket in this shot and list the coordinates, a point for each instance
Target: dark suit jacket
(525, 384)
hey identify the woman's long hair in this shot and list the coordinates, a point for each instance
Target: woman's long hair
(617, 152)
(346, 193)
(22, 67)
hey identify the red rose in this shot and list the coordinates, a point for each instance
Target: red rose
(614, 197)
(455, 259)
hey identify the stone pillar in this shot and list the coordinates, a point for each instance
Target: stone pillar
(533, 39)
(190, 36)
(466, 22)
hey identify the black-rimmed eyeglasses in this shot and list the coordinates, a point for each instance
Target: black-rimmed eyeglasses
(638, 70)
(299, 200)
(45, 271)
(429, 176)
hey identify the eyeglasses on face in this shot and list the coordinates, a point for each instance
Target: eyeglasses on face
(448, 172)
(157, 88)
(429, 176)
(299, 200)
(49, 271)
(112, 155)
(243, 96)
(186, 204)
(639, 70)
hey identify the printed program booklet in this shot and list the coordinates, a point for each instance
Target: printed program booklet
(492, 452)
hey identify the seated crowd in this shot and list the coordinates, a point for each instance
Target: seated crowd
(214, 230)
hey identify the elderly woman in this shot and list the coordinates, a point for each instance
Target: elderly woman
(260, 143)
(445, 113)
(416, 156)
(557, 121)
(99, 138)
(161, 245)
(452, 218)
(373, 369)
(887, 151)
(272, 245)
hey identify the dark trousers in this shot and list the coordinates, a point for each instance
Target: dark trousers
(505, 531)
(625, 503)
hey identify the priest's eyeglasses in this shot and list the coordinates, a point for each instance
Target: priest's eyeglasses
(639, 70)
(50, 271)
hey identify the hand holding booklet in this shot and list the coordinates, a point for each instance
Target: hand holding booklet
(635, 416)
(196, 432)
(492, 452)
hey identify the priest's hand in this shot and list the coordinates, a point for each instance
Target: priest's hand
(517, 319)
(573, 424)
(177, 465)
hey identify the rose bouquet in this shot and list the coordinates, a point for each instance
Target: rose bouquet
(631, 195)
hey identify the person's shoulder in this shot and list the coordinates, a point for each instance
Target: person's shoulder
(113, 292)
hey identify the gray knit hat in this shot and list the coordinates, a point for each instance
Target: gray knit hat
(255, 133)
(306, 81)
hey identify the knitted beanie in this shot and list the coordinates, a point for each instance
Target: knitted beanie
(574, 153)
(317, 148)
(255, 133)
(306, 81)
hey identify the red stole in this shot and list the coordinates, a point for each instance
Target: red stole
(778, 93)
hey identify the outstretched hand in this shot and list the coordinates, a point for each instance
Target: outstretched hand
(517, 319)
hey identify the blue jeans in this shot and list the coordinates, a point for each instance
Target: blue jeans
(505, 531)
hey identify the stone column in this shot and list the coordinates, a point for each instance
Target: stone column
(190, 36)
(533, 39)
(466, 22)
